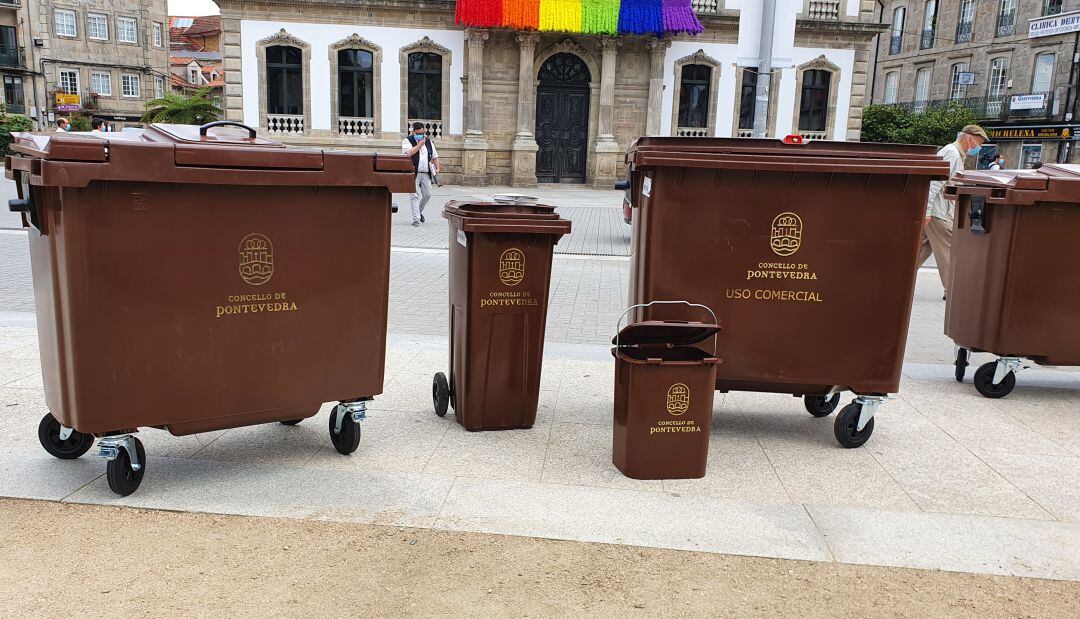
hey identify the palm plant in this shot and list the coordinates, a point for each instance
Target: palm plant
(193, 107)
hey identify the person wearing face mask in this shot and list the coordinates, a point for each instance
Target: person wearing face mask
(937, 232)
(998, 163)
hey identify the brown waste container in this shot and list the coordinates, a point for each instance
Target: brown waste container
(663, 398)
(806, 251)
(201, 278)
(500, 272)
(1014, 252)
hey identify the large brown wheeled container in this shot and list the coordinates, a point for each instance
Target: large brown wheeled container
(1015, 251)
(500, 273)
(664, 390)
(201, 278)
(806, 251)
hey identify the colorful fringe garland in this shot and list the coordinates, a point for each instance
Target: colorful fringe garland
(521, 14)
(600, 16)
(560, 15)
(657, 17)
(480, 13)
(679, 17)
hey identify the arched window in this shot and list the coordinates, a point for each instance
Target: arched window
(897, 39)
(957, 90)
(425, 86)
(284, 80)
(892, 86)
(748, 98)
(694, 87)
(814, 103)
(929, 24)
(356, 83)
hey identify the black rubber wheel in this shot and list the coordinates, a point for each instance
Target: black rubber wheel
(846, 427)
(348, 439)
(962, 357)
(122, 479)
(68, 449)
(440, 394)
(291, 422)
(821, 406)
(984, 381)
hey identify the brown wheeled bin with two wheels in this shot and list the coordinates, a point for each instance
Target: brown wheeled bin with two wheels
(1013, 290)
(500, 272)
(805, 250)
(202, 278)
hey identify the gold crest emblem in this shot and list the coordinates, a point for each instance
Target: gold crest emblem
(512, 266)
(678, 399)
(786, 234)
(256, 259)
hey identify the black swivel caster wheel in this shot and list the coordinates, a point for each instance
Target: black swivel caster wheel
(75, 445)
(440, 394)
(348, 439)
(963, 355)
(846, 427)
(291, 422)
(123, 480)
(821, 406)
(984, 381)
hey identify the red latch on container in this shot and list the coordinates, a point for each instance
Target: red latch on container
(794, 138)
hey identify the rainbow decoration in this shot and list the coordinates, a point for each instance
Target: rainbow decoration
(657, 17)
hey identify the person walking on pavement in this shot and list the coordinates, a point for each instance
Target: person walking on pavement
(937, 233)
(998, 162)
(62, 124)
(425, 160)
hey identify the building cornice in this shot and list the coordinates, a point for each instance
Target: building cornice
(848, 29)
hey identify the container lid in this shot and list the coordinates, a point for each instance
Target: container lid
(668, 333)
(1052, 182)
(224, 152)
(490, 208)
(776, 155)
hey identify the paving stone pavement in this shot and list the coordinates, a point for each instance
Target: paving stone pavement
(950, 480)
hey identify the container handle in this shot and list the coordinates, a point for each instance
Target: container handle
(226, 123)
(618, 325)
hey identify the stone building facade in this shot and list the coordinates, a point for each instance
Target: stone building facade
(508, 107)
(983, 55)
(113, 54)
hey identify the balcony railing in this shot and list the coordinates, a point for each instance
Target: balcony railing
(285, 124)
(927, 39)
(706, 7)
(744, 133)
(12, 56)
(1006, 25)
(827, 10)
(963, 32)
(10, 4)
(1013, 106)
(434, 128)
(896, 43)
(361, 127)
(692, 132)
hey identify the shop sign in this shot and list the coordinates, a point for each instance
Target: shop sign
(1028, 102)
(965, 78)
(1047, 132)
(66, 102)
(1050, 25)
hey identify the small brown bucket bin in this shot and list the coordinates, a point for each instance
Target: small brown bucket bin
(664, 389)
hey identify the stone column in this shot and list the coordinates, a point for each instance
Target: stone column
(474, 154)
(606, 154)
(524, 147)
(657, 53)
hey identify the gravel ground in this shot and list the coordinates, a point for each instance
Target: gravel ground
(67, 560)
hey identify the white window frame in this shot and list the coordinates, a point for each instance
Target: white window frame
(892, 87)
(120, 30)
(999, 71)
(956, 89)
(105, 92)
(74, 23)
(899, 17)
(930, 14)
(159, 39)
(125, 79)
(60, 80)
(159, 87)
(104, 21)
(967, 11)
(923, 77)
(1049, 74)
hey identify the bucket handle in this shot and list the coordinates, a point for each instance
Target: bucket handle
(618, 325)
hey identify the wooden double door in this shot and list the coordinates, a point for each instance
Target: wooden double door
(562, 120)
